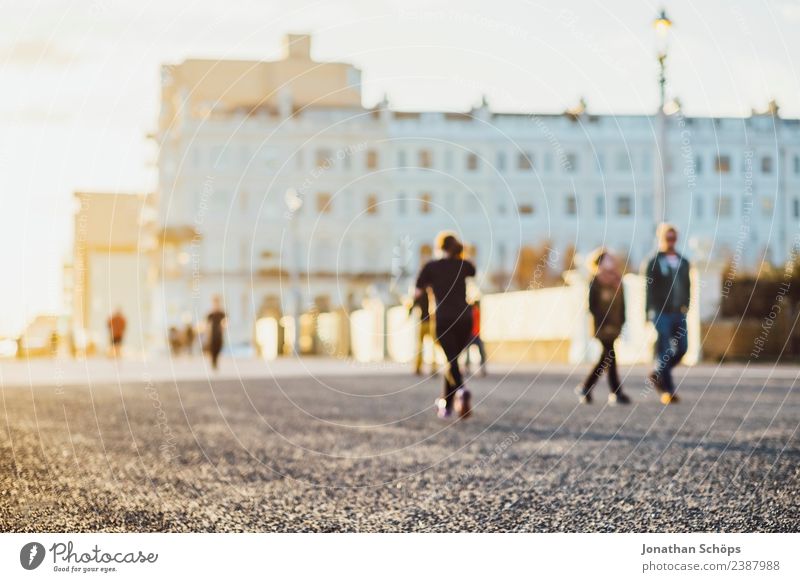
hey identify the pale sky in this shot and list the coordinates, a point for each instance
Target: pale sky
(79, 81)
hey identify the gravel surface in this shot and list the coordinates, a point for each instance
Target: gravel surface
(366, 453)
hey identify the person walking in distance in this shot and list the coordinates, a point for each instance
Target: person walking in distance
(426, 330)
(668, 295)
(607, 307)
(476, 340)
(116, 331)
(446, 277)
(174, 339)
(215, 325)
(188, 338)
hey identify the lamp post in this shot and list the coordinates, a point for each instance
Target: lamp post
(662, 25)
(293, 203)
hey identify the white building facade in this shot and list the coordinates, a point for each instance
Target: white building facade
(377, 185)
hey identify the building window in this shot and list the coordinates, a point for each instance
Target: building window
(724, 206)
(526, 208)
(448, 160)
(548, 162)
(525, 161)
(722, 164)
(600, 162)
(323, 159)
(624, 205)
(219, 156)
(796, 163)
(571, 163)
(472, 162)
(571, 206)
(324, 203)
(401, 160)
(600, 205)
(501, 161)
(698, 165)
(372, 160)
(646, 163)
(450, 202)
(401, 203)
(425, 203)
(623, 162)
(698, 206)
(767, 206)
(796, 208)
(372, 204)
(425, 159)
(197, 157)
(766, 165)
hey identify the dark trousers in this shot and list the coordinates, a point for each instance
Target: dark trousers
(671, 346)
(453, 335)
(606, 363)
(214, 350)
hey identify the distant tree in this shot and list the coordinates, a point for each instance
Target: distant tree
(534, 268)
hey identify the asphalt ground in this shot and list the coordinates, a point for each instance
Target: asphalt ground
(366, 453)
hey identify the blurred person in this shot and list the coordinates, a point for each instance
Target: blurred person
(446, 277)
(476, 340)
(116, 331)
(607, 307)
(174, 338)
(668, 294)
(427, 329)
(54, 343)
(188, 338)
(216, 322)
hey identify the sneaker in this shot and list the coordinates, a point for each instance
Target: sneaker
(441, 409)
(584, 395)
(655, 381)
(618, 398)
(463, 403)
(667, 398)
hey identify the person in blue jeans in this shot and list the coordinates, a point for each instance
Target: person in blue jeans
(667, 300)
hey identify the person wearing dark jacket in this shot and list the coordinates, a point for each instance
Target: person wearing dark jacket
(607, 307)
(215, 324)
(667, 300)
(446, 277)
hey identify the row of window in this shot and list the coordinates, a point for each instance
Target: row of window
(525, 161)
(623, 205)
(723, 207)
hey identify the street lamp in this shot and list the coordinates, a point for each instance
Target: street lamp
(662, 25)
(293, 203)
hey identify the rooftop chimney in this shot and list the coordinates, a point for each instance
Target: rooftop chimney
(297, 46)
